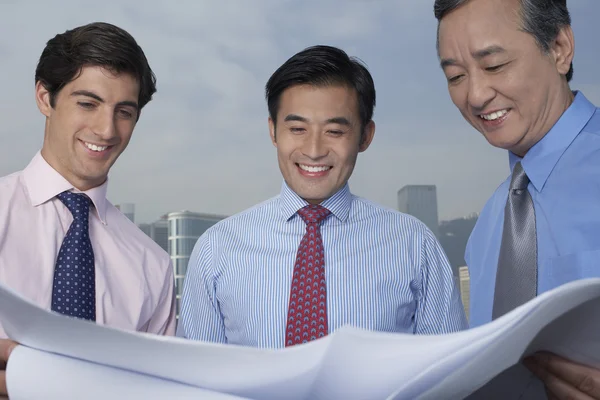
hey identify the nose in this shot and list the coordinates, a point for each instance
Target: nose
(104, 124)
(481, 92)
(314, 146)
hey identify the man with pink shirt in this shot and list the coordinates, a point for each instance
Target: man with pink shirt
(63, 245)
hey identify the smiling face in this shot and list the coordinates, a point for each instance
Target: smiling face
(318, 138)
(90, 124)
(504, 85)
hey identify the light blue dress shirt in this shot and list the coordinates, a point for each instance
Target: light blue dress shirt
(564, 173)
(385, 271)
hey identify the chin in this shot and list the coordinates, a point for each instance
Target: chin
(502, 143)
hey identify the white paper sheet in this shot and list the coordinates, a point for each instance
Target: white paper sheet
(35, 375)
(349, 364)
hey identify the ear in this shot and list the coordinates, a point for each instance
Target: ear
(367, 136)
(42, 98)
(272, 132)
(563, 49)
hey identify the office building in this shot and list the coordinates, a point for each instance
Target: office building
(420, 201)
(146, 228)
(184, 229)
(453, 236)
(158, 231)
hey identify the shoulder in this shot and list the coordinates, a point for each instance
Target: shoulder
(388, 219)
(135, 241)
(9, 183)
(13, 193)
(593, 125)
(257, 215)
(588, 140)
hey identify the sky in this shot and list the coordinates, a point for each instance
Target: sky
(202, 144)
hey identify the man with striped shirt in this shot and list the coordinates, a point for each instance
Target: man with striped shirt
(314, 258)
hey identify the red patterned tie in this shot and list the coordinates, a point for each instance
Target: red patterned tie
(307, 311)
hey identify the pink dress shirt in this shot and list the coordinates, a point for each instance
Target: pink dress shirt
(134, 276)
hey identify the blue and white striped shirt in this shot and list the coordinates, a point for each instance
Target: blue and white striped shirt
(385, 271)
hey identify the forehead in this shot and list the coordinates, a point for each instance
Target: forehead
(107, 84)
(324, 100)
(478, 24)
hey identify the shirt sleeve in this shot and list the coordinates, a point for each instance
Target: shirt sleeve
(440, 309)
(200, 317)
(163, 321)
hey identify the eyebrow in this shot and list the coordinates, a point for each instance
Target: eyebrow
(335, 120)
(478, 55)
(94, 96)
(294, 117)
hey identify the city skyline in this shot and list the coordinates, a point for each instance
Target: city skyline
(203, 143)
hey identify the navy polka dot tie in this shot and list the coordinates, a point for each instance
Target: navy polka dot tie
(74, 290)
(307, 310)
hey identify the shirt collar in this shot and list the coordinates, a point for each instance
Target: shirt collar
(43, 183)
(339, 204)
(541, 159)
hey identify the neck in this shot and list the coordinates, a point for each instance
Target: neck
(79, 184)
(554, 113)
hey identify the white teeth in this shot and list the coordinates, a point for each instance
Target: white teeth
(93, 147)
(494, 116)
(308, 168)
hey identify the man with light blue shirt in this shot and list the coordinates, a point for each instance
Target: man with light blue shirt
(508, 66)
(314, 258)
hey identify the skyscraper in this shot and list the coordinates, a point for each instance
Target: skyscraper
(128, 209)
(184, 229)
(420, 201)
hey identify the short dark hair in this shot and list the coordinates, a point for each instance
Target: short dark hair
(543, 19)
(96, 44)
(323, 66)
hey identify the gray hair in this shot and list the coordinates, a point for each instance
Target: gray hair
(543, 19)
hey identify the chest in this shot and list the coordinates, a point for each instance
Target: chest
(30, 242)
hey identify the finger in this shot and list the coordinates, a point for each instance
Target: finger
(3, 390)
(6, 347)
(555, 386)
(550, 395)
(2, 365)
(581, 377)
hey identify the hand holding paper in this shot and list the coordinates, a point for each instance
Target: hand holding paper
(565, 379)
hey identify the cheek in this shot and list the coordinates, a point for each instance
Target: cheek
(287, 147)
(459, 97)
(348, 156)
(283, 152)
(65, 129)
(125, 130)
(525, 86)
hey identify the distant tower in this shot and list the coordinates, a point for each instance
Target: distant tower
(158, 231)
(184, 229)
(465, 285)
(420, 201)
(128, 209)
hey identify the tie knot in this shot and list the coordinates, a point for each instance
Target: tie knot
(313, 213)
(519, 179)
(77, 203)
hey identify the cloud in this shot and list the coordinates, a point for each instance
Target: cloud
(202, 144)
